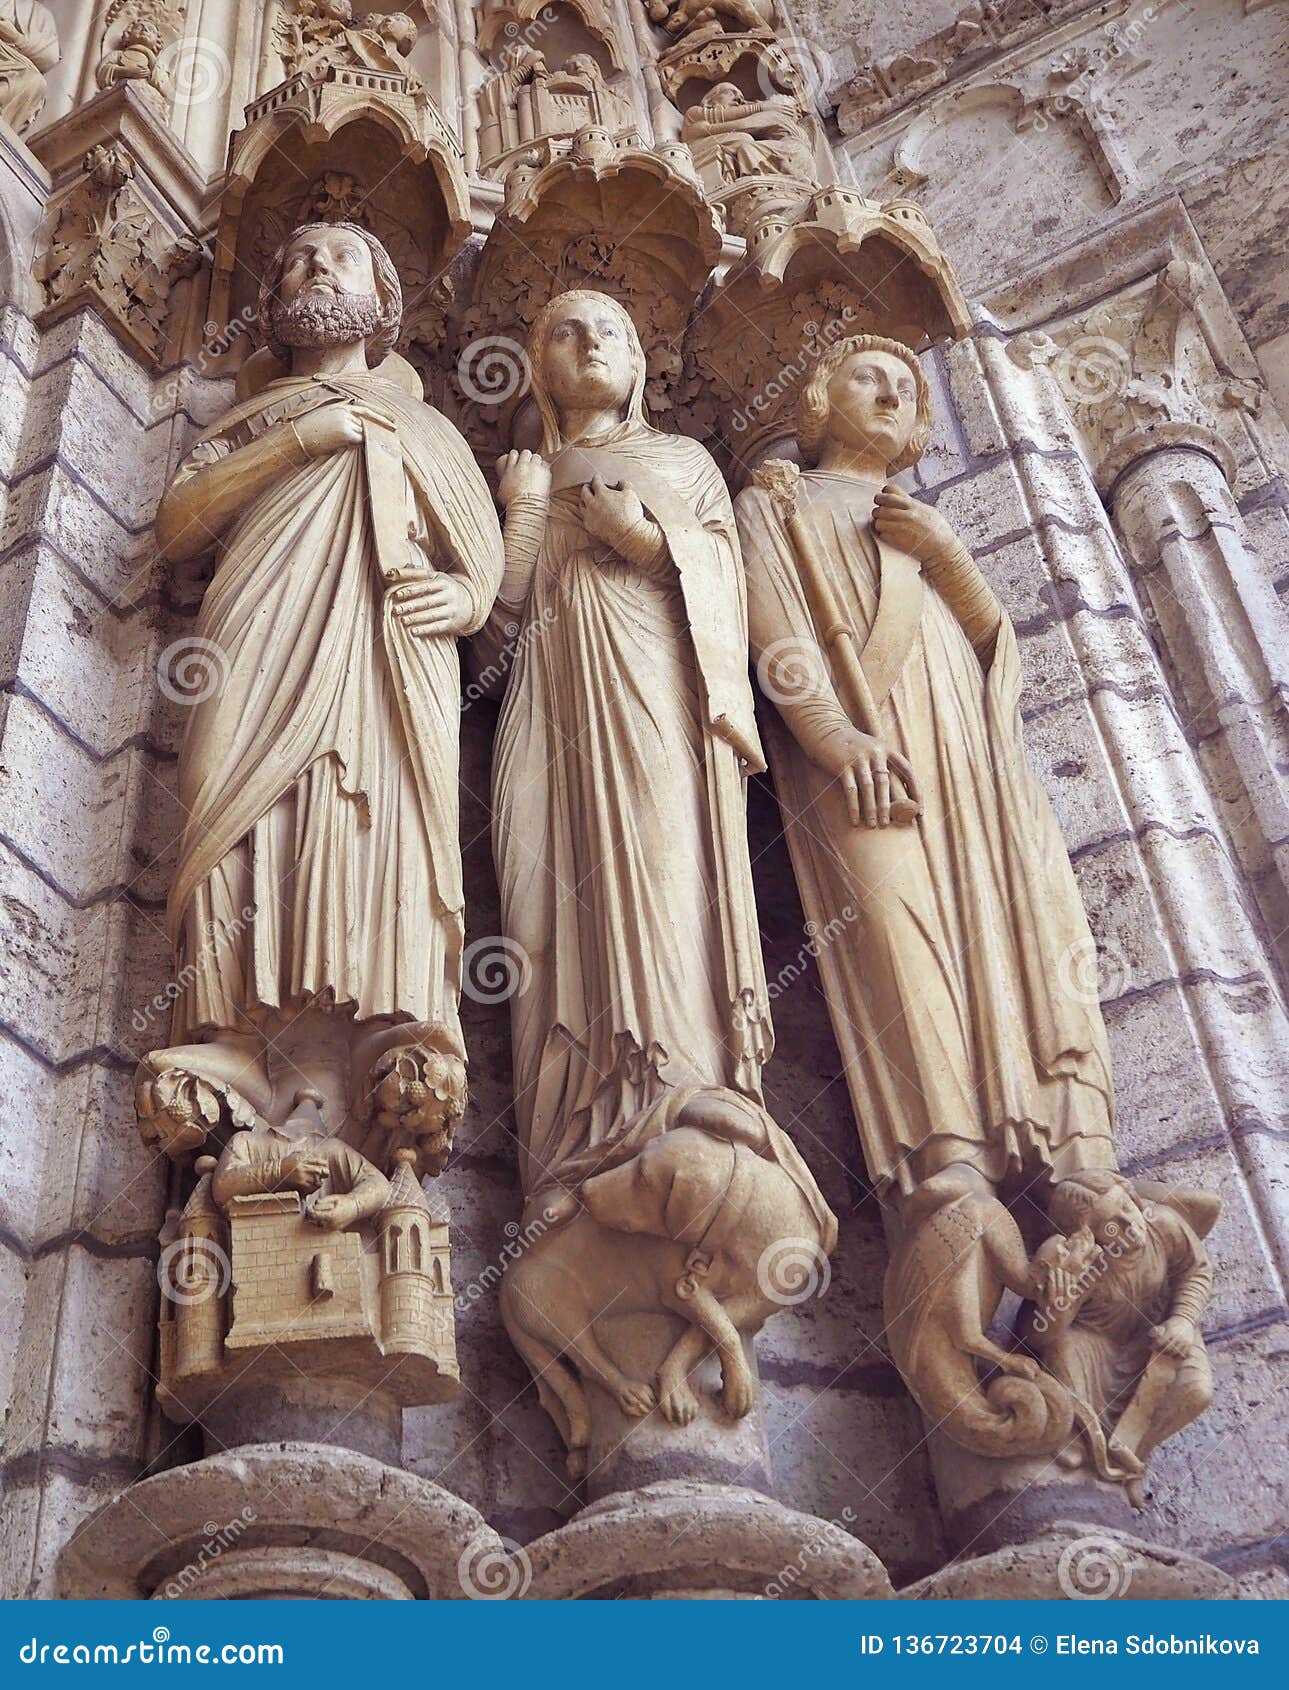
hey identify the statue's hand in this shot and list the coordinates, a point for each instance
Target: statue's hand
(1176, 1337)
(523, 475)
(332, 429)
(915, 528)
(864, 767)
(610, 513)
(439, 606)
(304, 1172)
(334, 1212)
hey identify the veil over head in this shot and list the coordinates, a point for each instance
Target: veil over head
(539, 339)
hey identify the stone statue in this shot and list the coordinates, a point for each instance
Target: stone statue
(316, 910)
(28, 49)
(973, 1062)
(320, 33)
(640, 1032)
(738, 137)
(699, 17)
(960, 1042)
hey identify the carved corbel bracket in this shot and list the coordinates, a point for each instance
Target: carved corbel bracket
(607, 213)
(844, 266)
(121, 228)
(1138, 375)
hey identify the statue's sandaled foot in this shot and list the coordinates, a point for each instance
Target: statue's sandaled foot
(179, 1107)
(418, 1096)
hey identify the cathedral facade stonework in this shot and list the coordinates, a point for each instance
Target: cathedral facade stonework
(644, 798)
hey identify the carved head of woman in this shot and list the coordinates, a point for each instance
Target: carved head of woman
(331, 284)
(868, 394)
(585, 355)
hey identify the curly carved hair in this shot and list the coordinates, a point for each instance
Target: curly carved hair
(388, 290)
(812, 416)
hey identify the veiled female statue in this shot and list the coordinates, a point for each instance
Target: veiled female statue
(640, 1032)
(317, 906)
(951, 994)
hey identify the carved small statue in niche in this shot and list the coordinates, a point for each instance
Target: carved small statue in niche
(714, 17)
(640, 1033)
(133, 57)
(28, 49)
(339, 1273)
(317, 905)
(974, 1060)
(318, 33)
(741, 137)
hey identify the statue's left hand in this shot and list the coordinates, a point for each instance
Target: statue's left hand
(610, 513)
(333, 1212)
(915, 528)
(438, 607)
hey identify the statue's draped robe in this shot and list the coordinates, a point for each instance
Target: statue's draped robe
(957, 950)
(318, 781)
(620, 819)
(23, 62)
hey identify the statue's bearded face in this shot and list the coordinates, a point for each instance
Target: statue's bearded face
(873, 404)
(587, 358)
(326, 295)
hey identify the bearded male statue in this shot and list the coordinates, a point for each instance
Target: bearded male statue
(317, 907)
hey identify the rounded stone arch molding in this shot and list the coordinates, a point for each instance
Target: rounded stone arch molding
(555, 27)
(843, 266)
(611, 214)
(680, 1538)
(281, 1520)
(345, 145)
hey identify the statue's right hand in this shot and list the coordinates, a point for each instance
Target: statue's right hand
(864, 766)
(331, 429)
(522, 475)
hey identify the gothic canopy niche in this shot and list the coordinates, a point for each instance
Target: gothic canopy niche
(842, 266)
(605, 212)
(351, 134)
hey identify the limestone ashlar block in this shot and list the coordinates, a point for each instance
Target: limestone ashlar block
(1068, 755)
(1164, 1094)
(53, 503)
(83, 1379)
(856, 1459)
(1196, 1478)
